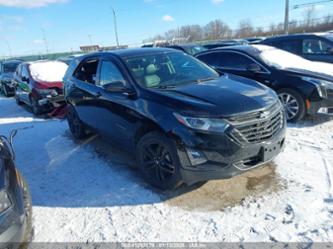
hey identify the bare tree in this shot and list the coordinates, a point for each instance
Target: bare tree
(309, 16)
(217, 29)
(245, 28)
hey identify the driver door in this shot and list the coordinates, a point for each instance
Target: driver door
(115, 108)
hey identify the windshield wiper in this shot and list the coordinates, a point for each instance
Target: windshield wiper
(205, 79)
(164, 87)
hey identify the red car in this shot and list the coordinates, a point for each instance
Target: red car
(39, 85)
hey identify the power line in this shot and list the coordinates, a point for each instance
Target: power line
(45, 41)
(298, 6)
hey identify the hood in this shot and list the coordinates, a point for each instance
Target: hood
(318, 69)
(223, 97)
(46, 85)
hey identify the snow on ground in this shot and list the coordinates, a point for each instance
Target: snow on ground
(86, 191)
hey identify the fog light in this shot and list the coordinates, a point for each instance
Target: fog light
(5, 202)
(196, 157)
(323, 110)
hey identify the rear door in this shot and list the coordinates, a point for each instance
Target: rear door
(317, 49)
(85, 94)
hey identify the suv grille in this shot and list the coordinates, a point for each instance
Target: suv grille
(258, 126)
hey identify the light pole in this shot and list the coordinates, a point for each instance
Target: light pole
(286, 18)
(45, 41)
(90, 39)
(115, 26)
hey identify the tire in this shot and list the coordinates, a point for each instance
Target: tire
(76, 126)
(158, 160)
(5, 91)
(34, 107)
(28, 214)
(17, 99)
(294, 104)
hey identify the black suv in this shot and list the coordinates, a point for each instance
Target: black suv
(15, 200)
(7, 70)
(314, 47)
(184, 122)
(304, 87)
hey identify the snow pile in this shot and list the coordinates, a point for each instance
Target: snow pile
(284, 60)
(85, 191)
(48, 71)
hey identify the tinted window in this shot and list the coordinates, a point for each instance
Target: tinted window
(87, 71)
(9, 67)
(233, 60)
(110, 74)
(316, 46)
(25, 72)
(292, 46)
(209, 58)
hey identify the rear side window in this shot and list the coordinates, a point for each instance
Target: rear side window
(292, 46)
(87, 71)
(316, 46)
(232, 60)
(209, 58)
(110, 75)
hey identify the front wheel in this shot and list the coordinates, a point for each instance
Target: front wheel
(293, 103)
(5, 90)
(35, 107)
(159, 161)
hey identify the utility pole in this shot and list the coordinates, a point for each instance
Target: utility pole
(9, 48)
(90, 39)
(45, 41)
(286, 18)
(115, 26)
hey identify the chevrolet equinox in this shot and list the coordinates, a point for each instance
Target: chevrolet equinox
(184, 122)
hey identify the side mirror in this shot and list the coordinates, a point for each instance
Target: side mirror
(254, 68)
(119, 87)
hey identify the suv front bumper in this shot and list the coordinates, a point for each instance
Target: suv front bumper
(223, 157)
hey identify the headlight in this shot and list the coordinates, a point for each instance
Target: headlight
(5, 202)
(320, 84)
(51, 92)
(203, 124)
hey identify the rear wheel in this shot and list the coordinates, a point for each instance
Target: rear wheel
(5, 90)
(159, 161)
(293, 103)
(76, 126)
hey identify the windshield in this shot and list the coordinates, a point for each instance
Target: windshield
(10, 67)
(168, 69)
(194, 50)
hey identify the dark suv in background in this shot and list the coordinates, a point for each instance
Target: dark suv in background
(314, 47)
(7, 69)
(184, 122)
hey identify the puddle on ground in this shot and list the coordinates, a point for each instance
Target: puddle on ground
(217, 195)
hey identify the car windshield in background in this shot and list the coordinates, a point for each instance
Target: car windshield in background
(162, 70)
(195, 50)
(10, 67)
